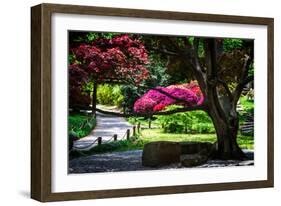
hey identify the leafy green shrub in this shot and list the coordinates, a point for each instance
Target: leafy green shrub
(174, 123)
(118, 98)
(109, 95)
(203, 128)
(80, 125)
(231, 44)
(133, 120)
(120, 145)
(193, 121)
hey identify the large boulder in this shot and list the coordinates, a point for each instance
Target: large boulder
(195, 153)
(192, 160)
(195, 147)
(161, 153)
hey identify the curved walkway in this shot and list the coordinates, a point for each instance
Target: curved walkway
(106, 127)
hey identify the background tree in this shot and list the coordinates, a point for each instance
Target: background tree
(117, 59)
(221, 73)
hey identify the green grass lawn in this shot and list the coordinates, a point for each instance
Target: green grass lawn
(151, 135)
(248, 105)
(80, 125)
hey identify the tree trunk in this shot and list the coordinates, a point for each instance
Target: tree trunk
(226, 130)
(222, 112)
(94, 99)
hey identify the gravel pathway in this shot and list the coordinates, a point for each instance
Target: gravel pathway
(131, 161)
(107, 126)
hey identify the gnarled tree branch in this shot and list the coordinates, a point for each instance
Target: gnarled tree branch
(184, 109)
(243, 78)
(163, 51)
(225, 86)
(248, 80)
(212, 76)
(169, 95)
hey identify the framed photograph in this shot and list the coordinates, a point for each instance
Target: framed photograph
(130, 102)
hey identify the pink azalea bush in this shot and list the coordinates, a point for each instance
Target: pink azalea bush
(159, 98)
(194, 87)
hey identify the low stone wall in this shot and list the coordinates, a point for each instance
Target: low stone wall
(189, 154)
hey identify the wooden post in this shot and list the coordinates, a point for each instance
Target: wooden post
(99, 140)
(138, 127)
(94, 99)
(128, 134)
(115, 137)
(134, 130)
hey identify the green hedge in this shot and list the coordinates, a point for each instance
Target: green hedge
(109, 95)
(192, 122)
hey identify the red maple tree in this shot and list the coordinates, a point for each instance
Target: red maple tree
(119, 59)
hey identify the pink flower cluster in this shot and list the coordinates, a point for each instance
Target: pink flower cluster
(159, 98)
(194, 87)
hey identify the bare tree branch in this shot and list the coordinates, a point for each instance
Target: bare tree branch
(173, 42)
(187, 44)
(185, 109)
(190, 56)
(248, 80)
(224, 84)
(169, 95)
(211, 57)
(163, 51)
(196, 57)
(212, 76)
(244, 75)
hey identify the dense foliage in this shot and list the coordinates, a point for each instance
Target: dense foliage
(186, 122)
(78, 79)
(109, 95)
(232, 44)
(80, 125)
(117, 59)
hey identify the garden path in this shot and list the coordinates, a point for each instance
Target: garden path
(106, 127)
